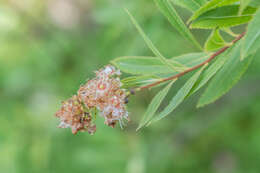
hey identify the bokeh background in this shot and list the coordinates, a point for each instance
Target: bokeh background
(49, 47)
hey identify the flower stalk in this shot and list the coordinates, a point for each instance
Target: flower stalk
(213, 56)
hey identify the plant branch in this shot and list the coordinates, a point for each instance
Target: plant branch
(193, 68)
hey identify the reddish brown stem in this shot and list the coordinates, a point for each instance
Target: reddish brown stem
(195, 67)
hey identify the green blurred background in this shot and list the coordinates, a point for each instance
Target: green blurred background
(49, 47)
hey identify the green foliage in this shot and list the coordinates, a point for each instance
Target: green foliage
(191, 59)
(138, 81)
(145, 65)
(146, 39)
(226, 16)
(170, 13)
(151, 69)
(229, 31)
(226, 78)
(154, 105)
(191, 5)
(224, 71)
(243, 5)
(255, 3)
(251, 42)
(152, 65)
(215, 41)
(210, 71)
(149, 42)
(179, 97)
(212, 4)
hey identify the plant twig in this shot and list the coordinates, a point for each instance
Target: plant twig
(193, 68)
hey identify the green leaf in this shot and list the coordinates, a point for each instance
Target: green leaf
(243, 5)
(209, 6)
(255, 3)
(146, 39)
(226, 78)
(170, 13)
(154, 105)
(211, 71)
(142, 65)
(138, 81)
(191, 59)
(226, 16)
(229, 31)
(149, 42)
(191, 5)
(201, 2)
(215, 41)
(139, 65)
(251, 41)
(179, 97)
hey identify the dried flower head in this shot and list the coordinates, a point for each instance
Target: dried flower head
(103, 93)
(73, 115)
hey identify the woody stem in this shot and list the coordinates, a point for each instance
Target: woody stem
(192, 68)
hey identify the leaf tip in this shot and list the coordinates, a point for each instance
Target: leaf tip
(200, 105)
(126, 10)
(113, 62)
(138, 128)
(189, 21)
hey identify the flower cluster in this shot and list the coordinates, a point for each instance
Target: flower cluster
(73, 115)
(103, 93)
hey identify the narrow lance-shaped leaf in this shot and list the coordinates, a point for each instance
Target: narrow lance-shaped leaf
(209, 6)
(145, 65)
(251, 41)
(229, 31)
(255, 3)
(139, 65)
(180, 96)
(226, 78)
(243, 5)
(149, 43)
(215, 41)
(191, 59)
(226, 16)
(201, 2)
(138, 81)
(191, 5)
(211, 70)
(154, 105)
(168, 10)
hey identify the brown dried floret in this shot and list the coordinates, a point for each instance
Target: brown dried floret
(73, 115)
(103, 93)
